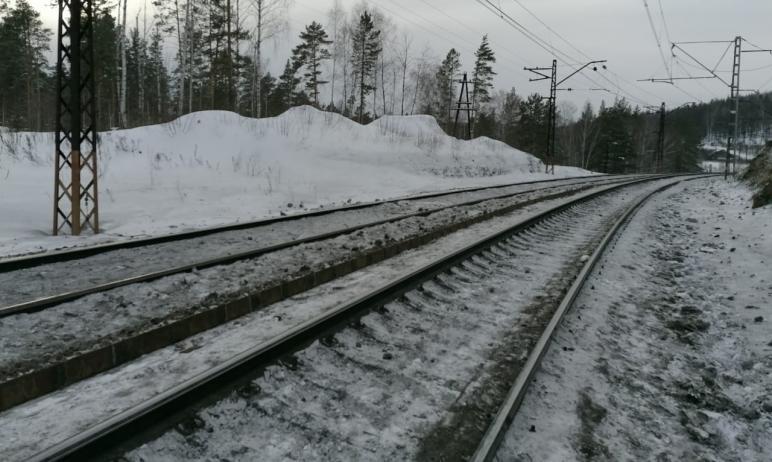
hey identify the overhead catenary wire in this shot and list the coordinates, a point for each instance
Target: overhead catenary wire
(704, 87)
(465, 26)
(554, 51)
(664, 22)
(586, 56)
(462, 47)
(657, 39)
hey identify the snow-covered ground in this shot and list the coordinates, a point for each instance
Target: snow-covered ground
(667, 354)
(210, 168)
(443, 363)
(36, 340)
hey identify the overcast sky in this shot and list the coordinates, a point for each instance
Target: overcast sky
(616, 30)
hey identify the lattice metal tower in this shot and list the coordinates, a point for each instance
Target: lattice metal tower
(76, 202)
(464, 105)
(734, 114)
(552, 119)
(549, 158)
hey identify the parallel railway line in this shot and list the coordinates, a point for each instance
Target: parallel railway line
(467, 265)
(110, 266)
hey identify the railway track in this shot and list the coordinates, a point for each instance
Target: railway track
(36, 283)
(443, 288)
(104, 310)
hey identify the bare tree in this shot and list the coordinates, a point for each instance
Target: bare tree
(422, 74)
(271, 19)
(337, 24)
(404, 61)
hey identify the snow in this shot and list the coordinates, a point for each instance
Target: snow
(439, 355)
(32, 341)
(677, 365)
(53, 279)
(214, 167)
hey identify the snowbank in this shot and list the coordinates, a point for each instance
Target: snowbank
(759, 176)
(216, 167)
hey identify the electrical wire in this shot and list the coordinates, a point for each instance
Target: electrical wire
(679, 63)
(664, 22)
(657, 38)
(557, 53)
(520, 4)
(465, 26)
(562, 38)
(512, 66)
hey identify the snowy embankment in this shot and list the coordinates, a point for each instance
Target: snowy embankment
(678, 365)
(759, 176)
(215, 167)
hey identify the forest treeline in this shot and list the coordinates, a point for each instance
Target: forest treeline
(355, 62)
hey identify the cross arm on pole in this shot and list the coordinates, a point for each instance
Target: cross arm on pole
(580, 70)
(675, 45)
(537, 71)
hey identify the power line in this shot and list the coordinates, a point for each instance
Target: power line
(656, 37)
(753, 45)
(541, 43)
(550, 29)
(586, 56)
(664, 22)
(688, 94)
(430, 31)
(678, 62)
(465, 26)
(552, 49)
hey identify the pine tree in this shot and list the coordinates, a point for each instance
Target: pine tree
(285, 94)
(532, 126)
(482, 77)
(365, 50)
(310, 53)
(105, 71)
(446, 86)
(157, 79)
(23, 44)
(615, 141)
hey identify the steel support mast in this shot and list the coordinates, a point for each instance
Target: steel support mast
(659, 163)
(549, 157)
(734, 87)
(76, 203)
(734, 113)
(552, 118)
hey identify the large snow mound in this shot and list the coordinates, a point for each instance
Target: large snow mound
(216, 167)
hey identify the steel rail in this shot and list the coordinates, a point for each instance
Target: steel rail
(113, 432)
(486, 450)
(42, 303)
(16, 263)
